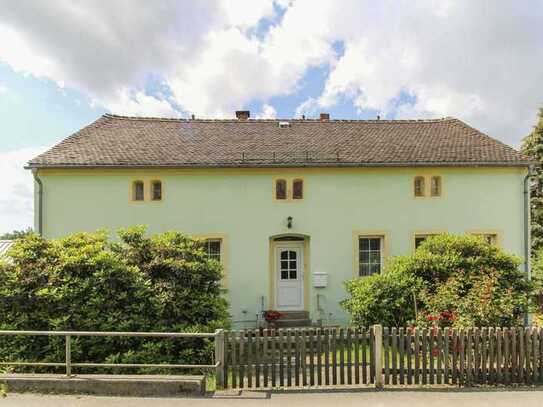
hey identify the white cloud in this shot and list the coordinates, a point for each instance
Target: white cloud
(103, 50)
(3, 89)
(308, 107)
(473, 60)
(139, 104)
(479, 61)
(245, 15)
(268, 112)
(16, 200)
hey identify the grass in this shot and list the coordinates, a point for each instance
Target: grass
(211, 383)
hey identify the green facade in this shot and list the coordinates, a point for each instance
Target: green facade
(239, 204)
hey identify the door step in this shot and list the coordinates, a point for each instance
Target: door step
(292, 319)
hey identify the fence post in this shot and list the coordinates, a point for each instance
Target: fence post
(219, 357)
(68, 358)
(377, 352)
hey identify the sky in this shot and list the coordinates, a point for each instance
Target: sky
(65, 63)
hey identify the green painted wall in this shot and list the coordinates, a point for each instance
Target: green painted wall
(239, 204)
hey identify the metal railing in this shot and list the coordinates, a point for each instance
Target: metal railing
(218, 336)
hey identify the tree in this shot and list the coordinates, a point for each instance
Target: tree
(16, 234)
(532, 146)
(449, 281)
(85, 283)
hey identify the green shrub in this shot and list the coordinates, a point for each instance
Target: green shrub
(458, 281)
(83, 282)
(386, 299)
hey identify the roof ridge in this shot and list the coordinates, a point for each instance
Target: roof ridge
(316, 120)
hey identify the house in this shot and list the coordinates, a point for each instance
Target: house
(292, 208)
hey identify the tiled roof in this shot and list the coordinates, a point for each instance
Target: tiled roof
(118, 141)
(4, 247)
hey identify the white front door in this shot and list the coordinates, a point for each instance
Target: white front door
(289, 294)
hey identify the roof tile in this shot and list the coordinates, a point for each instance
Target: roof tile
(120, 141)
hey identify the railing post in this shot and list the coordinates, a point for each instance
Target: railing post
(377, 351)
(68, 358)
(219, 358)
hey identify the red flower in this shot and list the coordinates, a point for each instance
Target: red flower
(447, 315)
(271, 315)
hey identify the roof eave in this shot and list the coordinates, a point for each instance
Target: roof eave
(31, 166)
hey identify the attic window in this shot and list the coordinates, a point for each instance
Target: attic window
(137, 191)
(297, 189)
(156, 190)
(435, 186)
(283, 125)
(280, 189)
(419, 186)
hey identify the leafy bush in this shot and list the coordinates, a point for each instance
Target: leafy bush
(449, 281)
(83, 282)
(386, 298)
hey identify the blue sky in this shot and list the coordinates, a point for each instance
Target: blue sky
(62, 65)
(36, 112)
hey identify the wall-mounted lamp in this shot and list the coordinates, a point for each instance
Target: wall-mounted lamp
(289, 222)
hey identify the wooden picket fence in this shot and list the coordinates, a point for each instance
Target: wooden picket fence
(298, 357)
(482, 356)
(382, 356)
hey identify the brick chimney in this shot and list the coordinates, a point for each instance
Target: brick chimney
(325, 116)
(243, 114)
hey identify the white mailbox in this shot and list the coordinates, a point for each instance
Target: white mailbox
(320, 280)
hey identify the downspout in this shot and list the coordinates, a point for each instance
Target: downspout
(40, 201)
(527, 239)
(527, 233)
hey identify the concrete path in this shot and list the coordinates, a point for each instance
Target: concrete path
(524, 398)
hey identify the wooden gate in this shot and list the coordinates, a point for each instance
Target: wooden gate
(298, 357)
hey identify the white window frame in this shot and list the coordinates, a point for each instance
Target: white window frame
(381, 252)
(207, 249)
